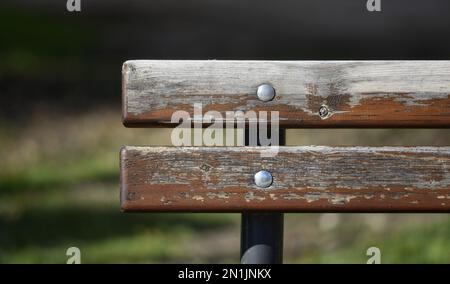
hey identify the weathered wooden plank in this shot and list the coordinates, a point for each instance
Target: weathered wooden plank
(305, 179)
(356, 93)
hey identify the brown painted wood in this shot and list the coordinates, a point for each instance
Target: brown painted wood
(306, 179)
(357, 93)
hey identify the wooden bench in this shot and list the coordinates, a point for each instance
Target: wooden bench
(308, 94)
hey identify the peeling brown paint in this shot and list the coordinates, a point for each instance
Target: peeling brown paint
(221, 195)
(198, 198)
(306, 178)
(357, 93)
(251, 196)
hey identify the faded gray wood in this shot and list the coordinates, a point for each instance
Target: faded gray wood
(307, 178)
(356, 93)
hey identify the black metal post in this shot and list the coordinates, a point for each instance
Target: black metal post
(262, 238)
(261, 232)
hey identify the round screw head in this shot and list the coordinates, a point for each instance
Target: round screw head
(323, 111)
(263, 179)
(265, 92)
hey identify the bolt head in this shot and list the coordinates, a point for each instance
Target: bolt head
(263, 179)
(265, 92)
(323, 111)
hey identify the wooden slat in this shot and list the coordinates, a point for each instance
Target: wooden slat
(308, 178)
(357, 93)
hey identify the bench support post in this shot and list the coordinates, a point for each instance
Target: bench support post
(262, 233)
(262, 238)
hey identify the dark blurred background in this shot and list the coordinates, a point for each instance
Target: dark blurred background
(60, 127)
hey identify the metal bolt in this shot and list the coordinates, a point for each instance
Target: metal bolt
(263, 179)
(265, 92)
(323, 111)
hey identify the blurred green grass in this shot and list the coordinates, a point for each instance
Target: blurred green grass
(420, 242)
(59, 188)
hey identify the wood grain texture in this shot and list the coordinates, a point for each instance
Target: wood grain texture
(306, 179)
(357, 93)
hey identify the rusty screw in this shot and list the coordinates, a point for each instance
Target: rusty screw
(323, 111)
(263, 179)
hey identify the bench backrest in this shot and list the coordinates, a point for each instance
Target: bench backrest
(319, 94)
